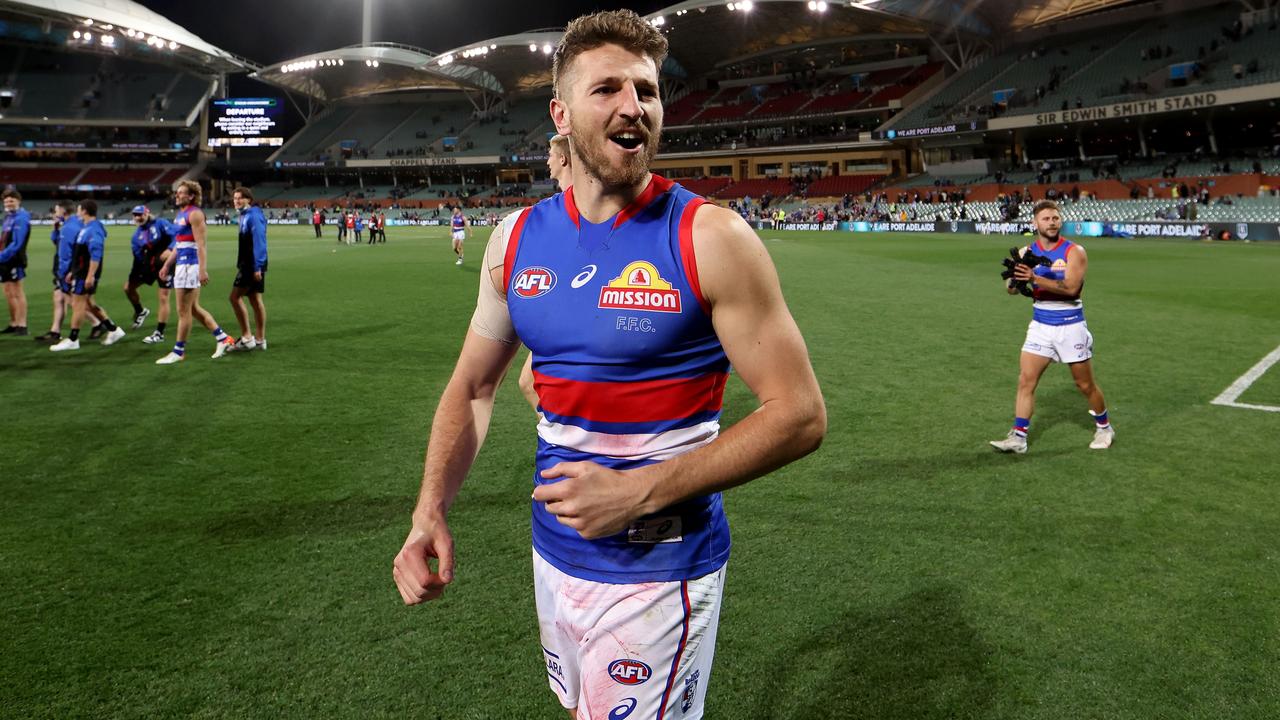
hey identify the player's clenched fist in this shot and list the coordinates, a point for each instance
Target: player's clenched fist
(411, 569)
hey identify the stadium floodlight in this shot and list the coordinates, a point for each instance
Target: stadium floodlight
(659, 21)
(108, 26)
(493, 46)
(88, 21)
(533, 47)
(375, 63)
(546, 49)
(340, 63)
(76, 34)
(732, 6)
(173, 44)
(108, 41)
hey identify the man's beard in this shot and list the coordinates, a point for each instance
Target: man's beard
(1044, 235)
(633, 169)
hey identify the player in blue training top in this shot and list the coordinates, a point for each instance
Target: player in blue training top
(66, 226)
(152, 243)
(634, 296)
(188, 266)
(1058, 332)
(81, 279)
(14, 235)
(251, 272)
(459, 230)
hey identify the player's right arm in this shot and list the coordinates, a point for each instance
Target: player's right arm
(457, 431)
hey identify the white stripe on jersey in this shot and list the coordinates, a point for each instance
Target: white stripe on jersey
(640, 446)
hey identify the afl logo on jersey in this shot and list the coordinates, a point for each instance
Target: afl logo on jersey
(629, 672)
(640, 287)
(533, 282)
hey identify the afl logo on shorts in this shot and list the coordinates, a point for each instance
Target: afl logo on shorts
(629, 672)
(533, 282)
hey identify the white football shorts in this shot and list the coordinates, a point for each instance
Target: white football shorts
(642, 650)
(186, 277)
(459, 235)
(1060, 343)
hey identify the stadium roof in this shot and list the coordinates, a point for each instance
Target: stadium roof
(703, 34)
(359, 70)
(129, 26)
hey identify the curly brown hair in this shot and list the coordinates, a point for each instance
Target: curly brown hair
(617, 27)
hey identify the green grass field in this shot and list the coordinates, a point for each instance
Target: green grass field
(214, 539)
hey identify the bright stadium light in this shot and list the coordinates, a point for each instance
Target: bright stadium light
(340, 63)
(493, 46)
(108, 26)
(88, 21)
(746, 5)
(546, 49)
(659, 21)
(173, 45)
(375, 63)
(76, 34)
(533, 47)
(108, 41)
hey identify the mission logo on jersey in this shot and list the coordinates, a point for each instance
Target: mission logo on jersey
(640, 287)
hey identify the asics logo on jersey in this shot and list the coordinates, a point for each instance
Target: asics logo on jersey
(623, 710)
(583, 277)
(629, 672)
(533, 282)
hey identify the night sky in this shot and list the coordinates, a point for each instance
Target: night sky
(270, 31)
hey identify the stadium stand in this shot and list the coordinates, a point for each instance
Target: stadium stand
(91, 87)
(836, 185)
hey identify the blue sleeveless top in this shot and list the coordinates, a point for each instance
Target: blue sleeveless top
(627, 367)
(1056, 312)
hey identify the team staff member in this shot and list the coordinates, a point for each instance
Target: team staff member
(65, 228)
(150, 243)
(630, 539)
(317, 220)
(81, 281)
(461, 230)
(188, 266)
(14, 234)
(251, 271)
(1057, 332)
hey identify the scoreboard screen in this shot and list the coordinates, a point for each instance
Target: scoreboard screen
(245, 122)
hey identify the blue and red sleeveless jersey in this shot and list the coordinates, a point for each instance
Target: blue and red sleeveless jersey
(1055, 312)
(184, 239)
(458, 223)
(627, 367)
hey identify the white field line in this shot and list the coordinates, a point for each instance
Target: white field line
(1231, 394)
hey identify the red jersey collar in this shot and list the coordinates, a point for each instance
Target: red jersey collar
(1055, 245)
(656, 187)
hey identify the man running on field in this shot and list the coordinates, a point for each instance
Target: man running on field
(634, 296)
(460, 230)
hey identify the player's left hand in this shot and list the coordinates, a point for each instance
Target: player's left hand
(592, 499)
(1023, 273)
(204, 278)
(90, 283)
(257, 276)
